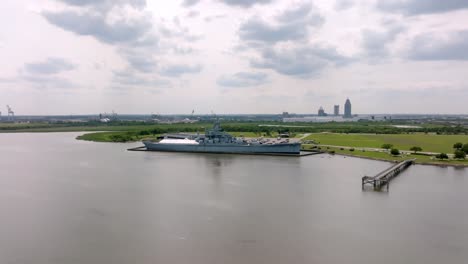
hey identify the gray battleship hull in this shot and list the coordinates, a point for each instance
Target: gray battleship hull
(283, 148)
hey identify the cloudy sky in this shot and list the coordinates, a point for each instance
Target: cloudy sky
(233, 56)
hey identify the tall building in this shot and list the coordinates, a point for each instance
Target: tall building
(336, 110)
(321, 112)
(347, 109)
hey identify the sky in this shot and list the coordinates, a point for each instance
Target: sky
(233, 56)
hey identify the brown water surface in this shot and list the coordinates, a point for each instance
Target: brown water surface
(64, 201)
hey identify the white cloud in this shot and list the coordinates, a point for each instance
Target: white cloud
(245, 3)
(49, 66)
(105, 52)
(419, 7)
(303, 61)
(450, 46)
(243, 79)
(177, 70)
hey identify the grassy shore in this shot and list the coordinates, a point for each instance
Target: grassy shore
(368, 146)
(68, 127)
(428, 142)
(131, 136)
(355, 135)
(377, 155)
(114, 137)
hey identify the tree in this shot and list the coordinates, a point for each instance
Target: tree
(458, 145)
(144, 133)
(459, 154)
(465, 148)
(416, 149)
(387, 146)
(395, 152)
(442, 156)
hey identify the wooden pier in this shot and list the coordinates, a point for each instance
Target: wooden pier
(384, 177)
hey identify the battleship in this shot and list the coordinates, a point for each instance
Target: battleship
(216, 140)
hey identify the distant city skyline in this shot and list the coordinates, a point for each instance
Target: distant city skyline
(336, 110)
(233, 56)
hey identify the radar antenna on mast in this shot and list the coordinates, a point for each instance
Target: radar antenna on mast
(11, 114)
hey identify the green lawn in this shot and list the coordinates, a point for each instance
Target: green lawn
(107, 136)
(129, 136)
(114, 137)
(45, 127)
(387, 156)
(430, 142)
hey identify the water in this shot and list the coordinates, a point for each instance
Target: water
(64, 201)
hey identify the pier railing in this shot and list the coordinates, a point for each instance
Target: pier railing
(383, 178)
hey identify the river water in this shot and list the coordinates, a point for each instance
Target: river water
(64, 201)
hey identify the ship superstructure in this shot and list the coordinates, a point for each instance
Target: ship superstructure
(216, 140)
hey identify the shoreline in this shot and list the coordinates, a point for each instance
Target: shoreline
(393, 161)
(82, 137)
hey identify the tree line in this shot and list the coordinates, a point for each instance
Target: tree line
(460, 152)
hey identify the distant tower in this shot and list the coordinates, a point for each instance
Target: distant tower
(347, 109)
(336, 110)
(321, 112)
